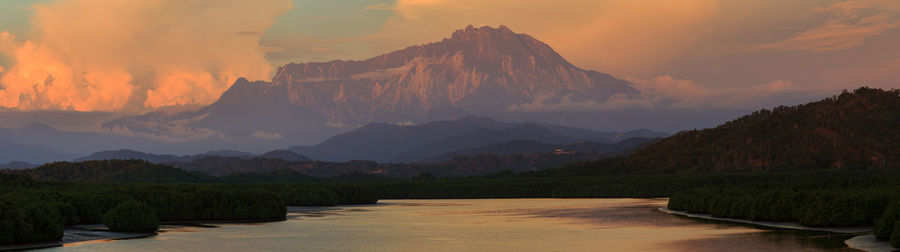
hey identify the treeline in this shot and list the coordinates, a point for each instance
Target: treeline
(460, 166)
(530, 185)
(123, 171)
(823, 207)
(823, 199)
(37, 211)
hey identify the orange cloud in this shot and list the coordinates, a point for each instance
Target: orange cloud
(613, 36)
(132, 55)
(853, 22)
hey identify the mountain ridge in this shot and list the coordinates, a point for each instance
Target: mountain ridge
(383, 142)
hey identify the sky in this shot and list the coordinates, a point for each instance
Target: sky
(134, 56)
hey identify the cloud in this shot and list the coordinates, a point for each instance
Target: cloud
(668, 92)
(851, 24)
(91, 55)
(154, 126)
(266, 135)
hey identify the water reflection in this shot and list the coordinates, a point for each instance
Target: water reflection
(484, 225)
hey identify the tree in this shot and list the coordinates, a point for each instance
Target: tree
(131, 216)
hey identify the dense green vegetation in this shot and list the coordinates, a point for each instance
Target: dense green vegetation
(888, 226)
(824, 198)
(813, 207)
(134, 170)
(29, 221)
(131, 216)
(808, 207)
(37, 211)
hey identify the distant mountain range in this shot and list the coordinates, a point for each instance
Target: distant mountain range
(431, 142)
(159, 158)
(11, 151)
(463, 147)
(515, 156)
(521, 147)
(383, 142)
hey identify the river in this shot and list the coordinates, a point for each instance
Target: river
(480, 225)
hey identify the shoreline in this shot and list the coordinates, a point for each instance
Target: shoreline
(862, 241)
(76, 235)
(772, 224)
(97, 232)
(869, 243)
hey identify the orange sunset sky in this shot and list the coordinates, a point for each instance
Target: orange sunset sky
(135, 56)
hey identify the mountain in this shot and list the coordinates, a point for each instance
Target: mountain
(477, 69)
(113, 171)
(15, 165)
(521, 147)
(457, 167)
(229, 153)
(11, 151)
(853, 130)
(285, 155)
(383, 142)
(125, 154)
(481, 71)
(78, 143)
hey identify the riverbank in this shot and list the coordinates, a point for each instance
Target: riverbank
(98, 232)
(866, 242)
(772, 224)
(80, 233)
(869, 243)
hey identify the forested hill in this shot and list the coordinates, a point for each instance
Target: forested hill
(853, 130)
(113, 171)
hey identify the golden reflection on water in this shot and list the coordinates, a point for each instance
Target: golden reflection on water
(87, 242)
(483, 225)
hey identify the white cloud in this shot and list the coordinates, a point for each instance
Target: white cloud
(669, 92)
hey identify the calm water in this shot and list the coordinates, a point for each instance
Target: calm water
(481, 225)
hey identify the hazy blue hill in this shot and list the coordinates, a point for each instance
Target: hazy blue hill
(393, 143)
(125, 154)
(230, 153)
(15, 165)
(130, 154)
(285, 155)
(520, 147)
(113, 171)
(11, 151)
(486, 137)
(382, 142)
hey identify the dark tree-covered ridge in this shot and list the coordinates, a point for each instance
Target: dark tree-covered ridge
(853, 130)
